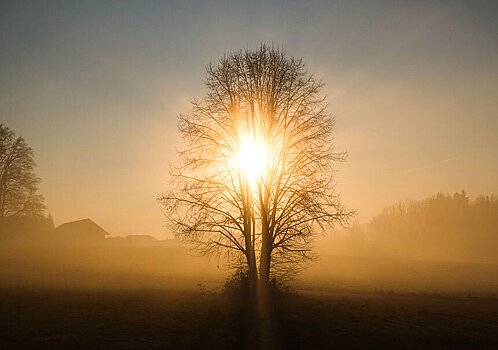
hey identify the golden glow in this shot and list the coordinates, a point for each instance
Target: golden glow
(252, 158)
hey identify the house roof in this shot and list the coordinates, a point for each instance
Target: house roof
(79, 226)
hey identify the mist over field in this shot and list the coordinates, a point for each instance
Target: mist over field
(360, 258)
(144, 293)
(249, 175)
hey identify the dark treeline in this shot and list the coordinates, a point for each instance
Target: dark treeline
(443, 227)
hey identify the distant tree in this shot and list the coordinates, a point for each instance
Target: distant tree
(18, 182)
(442, 226)
(256, 176)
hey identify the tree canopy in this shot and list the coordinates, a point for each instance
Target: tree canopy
(255, 179)
(18, 182)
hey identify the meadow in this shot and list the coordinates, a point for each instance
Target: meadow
(163, 297)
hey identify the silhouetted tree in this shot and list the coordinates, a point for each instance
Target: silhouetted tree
(18, 182)
(267, 221)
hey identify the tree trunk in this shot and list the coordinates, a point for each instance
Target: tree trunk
(266, 243)
(265, 260)
(251, 263)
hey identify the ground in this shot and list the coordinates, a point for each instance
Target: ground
(47, 318)
(161, 297)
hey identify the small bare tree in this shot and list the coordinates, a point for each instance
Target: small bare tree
(256, 175)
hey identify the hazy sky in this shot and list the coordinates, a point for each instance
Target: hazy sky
(95, 88)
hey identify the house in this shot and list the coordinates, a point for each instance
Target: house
(81, 231)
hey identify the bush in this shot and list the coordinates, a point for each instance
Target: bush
(238, 285)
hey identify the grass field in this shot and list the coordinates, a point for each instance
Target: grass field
(161, 319)
(106, 297)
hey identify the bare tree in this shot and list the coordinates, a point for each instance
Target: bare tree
(18, 182)
(256, 175)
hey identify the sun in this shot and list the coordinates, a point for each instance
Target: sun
(252, 158)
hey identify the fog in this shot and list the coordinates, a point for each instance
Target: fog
(174, 266)
(105, 265)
